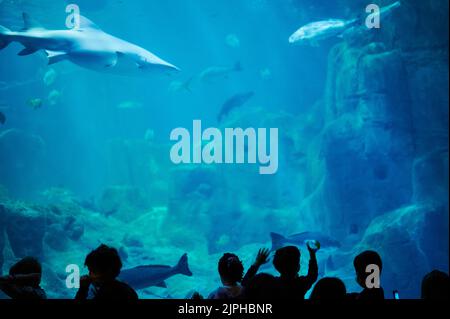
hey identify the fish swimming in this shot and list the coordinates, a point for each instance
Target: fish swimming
(49, 77)
(315, 31)
(35, 103)
(154, 275)
(320, 30)
(2, 118)
(279, 241)
(234, 102)
(178, 86)
(87, 46)
(53, 97)
(217, 72)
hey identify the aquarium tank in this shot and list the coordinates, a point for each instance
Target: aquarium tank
(176, 131)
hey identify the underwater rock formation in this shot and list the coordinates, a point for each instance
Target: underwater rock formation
(123, 202)
(385, 110)
(24, 227)
(410, 242)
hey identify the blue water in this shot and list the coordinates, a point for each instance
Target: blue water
(363, 147)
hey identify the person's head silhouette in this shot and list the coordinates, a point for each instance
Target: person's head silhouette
(104, 264)
(28, 266)
(231, 269)
(287, 261)
(262, 286)
(329, 289)
(435, 286)
(361, 263)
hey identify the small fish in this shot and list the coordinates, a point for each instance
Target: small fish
(129, 105)
(232, 41)
(154, 275)
(300, 239)
(49, 77)
(53, 97)
(178, 86)
(35, 103)
(2, 118)
(234, 102)
(218, 72)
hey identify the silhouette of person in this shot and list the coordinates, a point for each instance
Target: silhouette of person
(104, 266)
(23, 281)
(435, 286)
(287, 262)
(329, 288)
(361, 263)
(231, 273)
(261, 287)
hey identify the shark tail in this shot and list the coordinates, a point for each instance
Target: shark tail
(277, 241)
(182, 267)
(4, 40)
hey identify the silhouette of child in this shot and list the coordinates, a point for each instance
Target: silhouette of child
(231, 273)
(23, 281)
(104, 266)
(360, 263)
(287, 262)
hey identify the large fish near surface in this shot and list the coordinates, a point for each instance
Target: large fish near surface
(234, 102)
(154, 275)
(316, 31)
(87, 46)
(300, 239)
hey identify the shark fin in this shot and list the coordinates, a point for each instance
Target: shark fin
(85, 23)
(162, 284)
(29, 22)
(27, 51)
(55, 56)
(277, 241)
(182, 267)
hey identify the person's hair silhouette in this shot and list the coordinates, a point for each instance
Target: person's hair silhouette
(24, 280)
(262, 286)
(104, 266)
(435, 286)
(230, 269)
(231, 273)
(361, 263)
(329, 288)
(287, 262)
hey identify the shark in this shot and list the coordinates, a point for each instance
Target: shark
(87, 46)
